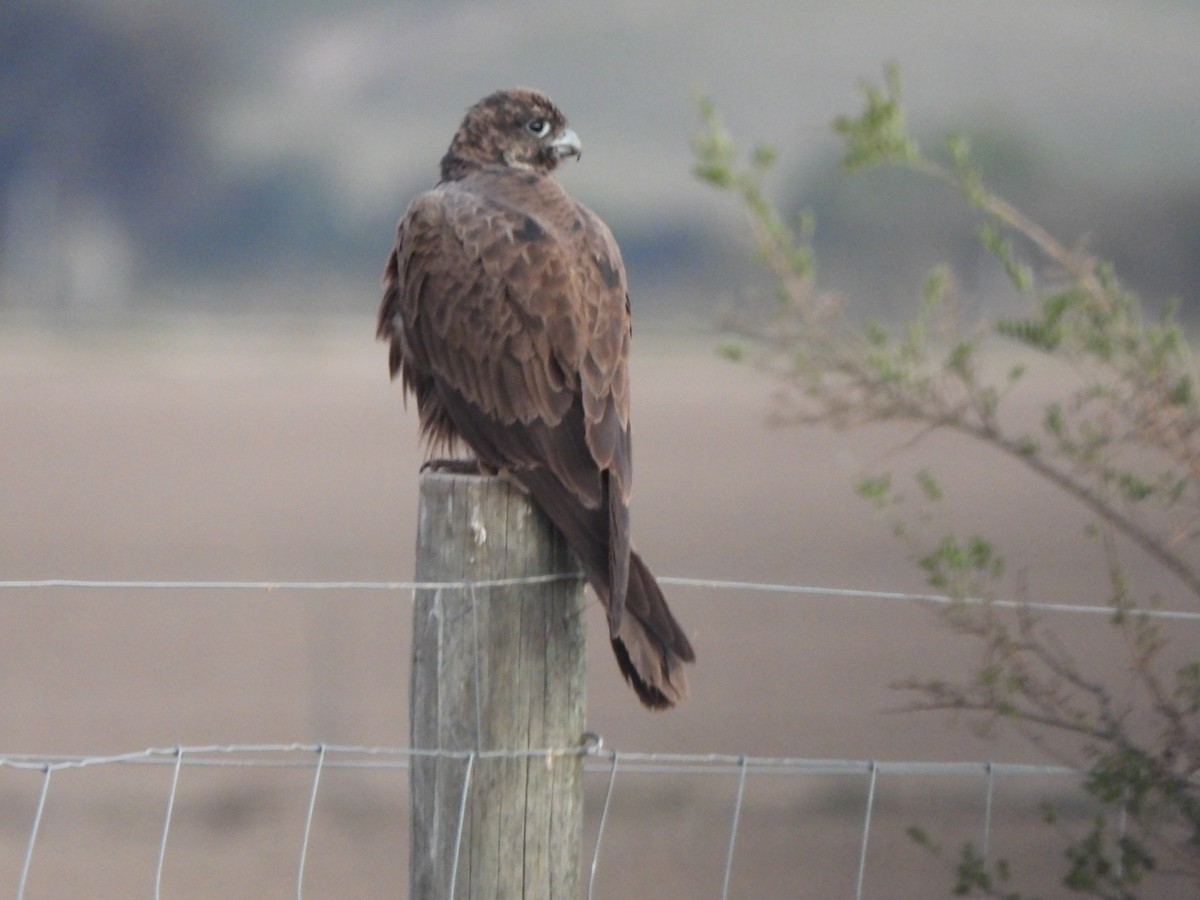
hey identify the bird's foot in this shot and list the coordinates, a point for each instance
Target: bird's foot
(453, 466)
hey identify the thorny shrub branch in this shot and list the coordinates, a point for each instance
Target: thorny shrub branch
(1123, 439)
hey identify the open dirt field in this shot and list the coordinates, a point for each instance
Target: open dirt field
(227, 451)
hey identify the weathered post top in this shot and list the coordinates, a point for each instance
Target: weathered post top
(495, 668)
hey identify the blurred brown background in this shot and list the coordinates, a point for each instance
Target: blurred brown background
(196, 205)
(231, 451)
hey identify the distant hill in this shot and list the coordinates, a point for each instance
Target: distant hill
(249, 153)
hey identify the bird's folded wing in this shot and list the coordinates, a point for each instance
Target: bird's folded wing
(522, 320)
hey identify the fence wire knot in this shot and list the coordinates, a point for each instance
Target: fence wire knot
(591, 743)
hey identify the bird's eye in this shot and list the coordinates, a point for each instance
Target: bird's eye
(538, 126)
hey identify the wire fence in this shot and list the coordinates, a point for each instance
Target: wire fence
(737, 586)
(605, 768)
(317, 759)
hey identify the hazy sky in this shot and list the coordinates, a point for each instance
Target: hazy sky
(375, 90)
(315, 123)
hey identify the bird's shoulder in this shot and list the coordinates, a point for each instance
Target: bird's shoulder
(501, 208)
(520, 233)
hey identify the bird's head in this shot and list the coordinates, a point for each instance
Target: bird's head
(519, 128)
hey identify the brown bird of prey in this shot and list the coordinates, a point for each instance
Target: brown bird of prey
(506, 307)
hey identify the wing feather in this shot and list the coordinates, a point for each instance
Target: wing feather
(493, 304)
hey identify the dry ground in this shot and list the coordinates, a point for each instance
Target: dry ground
(229, 451)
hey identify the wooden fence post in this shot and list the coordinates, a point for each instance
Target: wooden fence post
(494, 668)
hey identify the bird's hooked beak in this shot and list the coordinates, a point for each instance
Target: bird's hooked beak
(566, 143)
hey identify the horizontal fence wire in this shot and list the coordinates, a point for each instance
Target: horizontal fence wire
(346, 756)
(704, 583)
(598, 759)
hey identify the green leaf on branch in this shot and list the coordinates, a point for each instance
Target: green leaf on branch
(961, 568)
(929, 485)
(994, 241)
(879, 135)
(877, 489)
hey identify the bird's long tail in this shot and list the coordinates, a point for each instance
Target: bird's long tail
(650, 646)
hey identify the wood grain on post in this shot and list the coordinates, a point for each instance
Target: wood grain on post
(495, 668)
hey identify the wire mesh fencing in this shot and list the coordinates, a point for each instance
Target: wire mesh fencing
(729, 813)
(316, 819)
